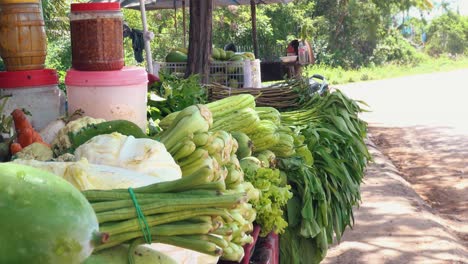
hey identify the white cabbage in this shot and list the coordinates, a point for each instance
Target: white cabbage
(86, 176)
(143, 155)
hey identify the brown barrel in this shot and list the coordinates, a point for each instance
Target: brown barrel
(22, 37)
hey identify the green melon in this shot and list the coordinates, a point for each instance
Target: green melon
(176, 56)
(43, 218)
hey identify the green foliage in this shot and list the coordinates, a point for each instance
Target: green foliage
(178, 93)
(338, 75)
(448, 34)
(162, 24)
(393, 47)
(2, 65)
(59, 57)
(276, 26)
(55, 18)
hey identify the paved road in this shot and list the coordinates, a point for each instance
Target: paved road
(438, 99)
(415, 198)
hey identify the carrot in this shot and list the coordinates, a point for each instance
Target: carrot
(25, 137)
(15, 148)
(26, 133)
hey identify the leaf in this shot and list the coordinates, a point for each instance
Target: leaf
(294, 211)
(341, 124)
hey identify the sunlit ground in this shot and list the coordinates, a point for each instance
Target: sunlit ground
(439, 100)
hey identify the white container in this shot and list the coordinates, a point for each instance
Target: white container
(110, 95)
(234, 74)
(35, 91)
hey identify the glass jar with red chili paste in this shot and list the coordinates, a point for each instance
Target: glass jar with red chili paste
(97, 36)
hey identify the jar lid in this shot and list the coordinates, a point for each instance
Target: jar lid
(19, 1)
(128, 75)
(21, 79)
(85, 7)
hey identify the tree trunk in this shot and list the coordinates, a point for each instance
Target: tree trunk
(200, 38)
(253, 13)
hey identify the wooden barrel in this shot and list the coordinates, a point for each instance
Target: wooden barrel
(22, 36)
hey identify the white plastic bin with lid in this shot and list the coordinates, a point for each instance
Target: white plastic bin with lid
(37, 92)
(110, 95)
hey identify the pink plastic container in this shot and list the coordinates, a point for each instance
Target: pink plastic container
(110, 95)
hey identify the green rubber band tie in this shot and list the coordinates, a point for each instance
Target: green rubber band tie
(141, 217)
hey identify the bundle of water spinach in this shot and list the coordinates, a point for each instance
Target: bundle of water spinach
(325, 175)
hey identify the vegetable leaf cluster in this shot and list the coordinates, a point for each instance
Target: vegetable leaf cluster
(274, 196)
(178, 93)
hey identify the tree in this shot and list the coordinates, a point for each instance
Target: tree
(55, 18)
(200, 39)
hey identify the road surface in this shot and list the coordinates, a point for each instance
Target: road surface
(415, 195)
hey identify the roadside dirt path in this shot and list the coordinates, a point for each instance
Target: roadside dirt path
(394, 225)
(415, 195)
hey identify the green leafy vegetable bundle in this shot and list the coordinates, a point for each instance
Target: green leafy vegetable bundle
(178, 93)
(326, 189)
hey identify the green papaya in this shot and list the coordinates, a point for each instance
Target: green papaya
(44, 218)
(230, 54)
(119, 255)
(235, 66)
(176, 56)
(215, 54)
(249, 55)
(183, 50)
(222, 55)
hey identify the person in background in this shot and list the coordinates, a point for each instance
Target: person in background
(424, 38)
(230, 47)
(293, 48)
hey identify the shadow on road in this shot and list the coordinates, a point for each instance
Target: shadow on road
(434, 161)
(394, 225)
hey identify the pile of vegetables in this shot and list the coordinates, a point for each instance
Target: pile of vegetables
(320, 155)
(197, 149)
(180, 55)
(227, 67)
(238, 115)
(206, 175)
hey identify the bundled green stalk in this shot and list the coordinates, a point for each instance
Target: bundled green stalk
(208, 162)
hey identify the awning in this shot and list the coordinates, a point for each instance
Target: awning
(170, 4)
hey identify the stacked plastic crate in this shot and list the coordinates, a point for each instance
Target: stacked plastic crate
(235, 74)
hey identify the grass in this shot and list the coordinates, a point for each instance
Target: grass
(341, 76)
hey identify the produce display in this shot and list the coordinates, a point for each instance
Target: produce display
(227, 68)
(217, 54)
(320, 152)
(201, 179)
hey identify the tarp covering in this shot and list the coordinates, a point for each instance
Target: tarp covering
(170, 4)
